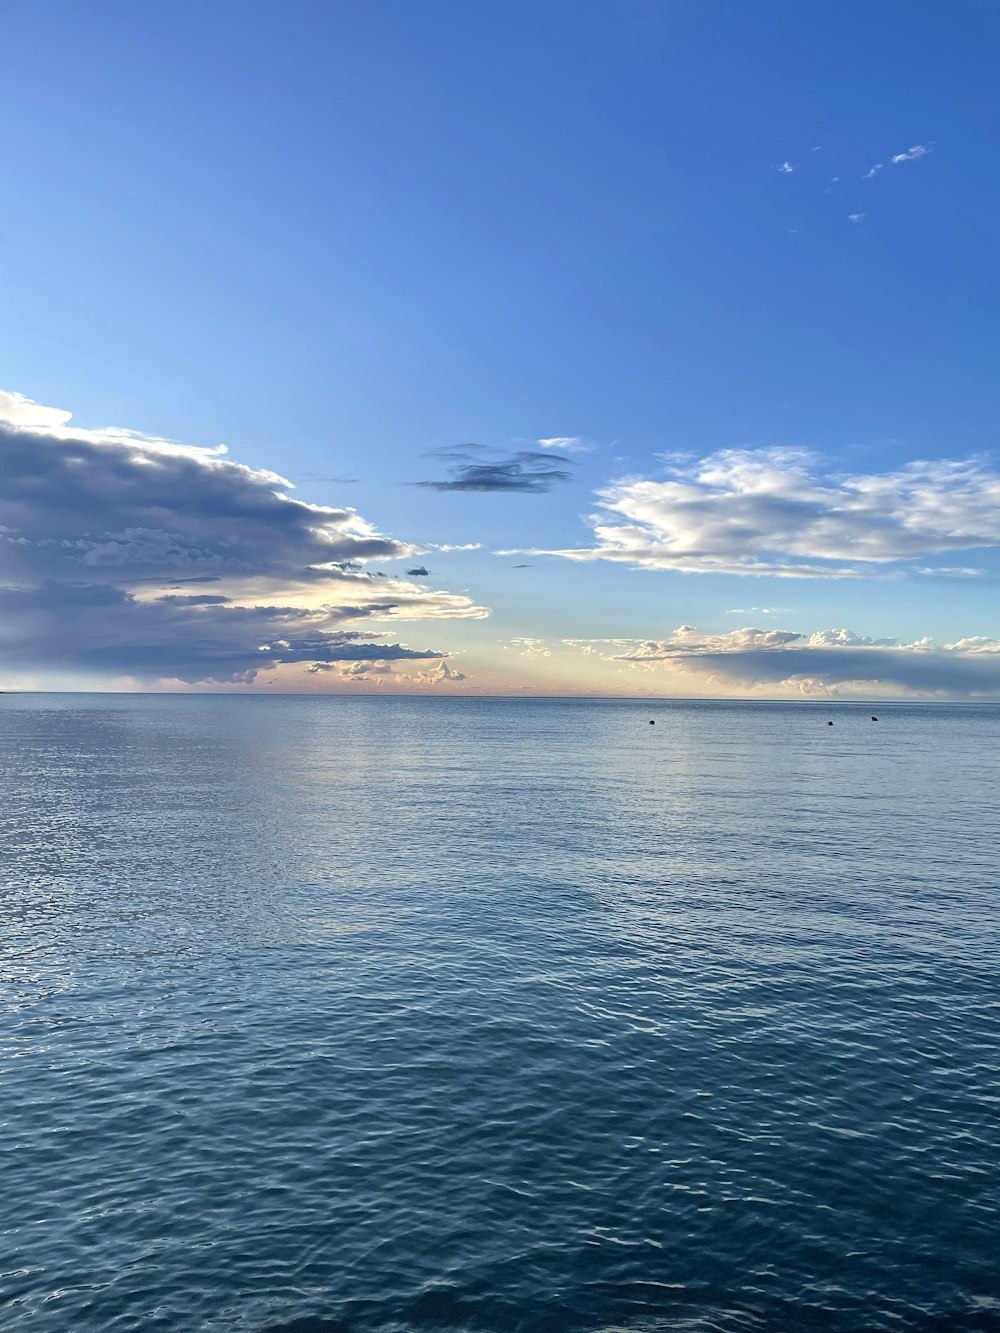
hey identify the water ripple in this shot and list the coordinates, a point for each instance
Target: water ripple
(347, 1016)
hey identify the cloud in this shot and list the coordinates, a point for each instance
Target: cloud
(103, 630)
(845, 638)
(913, 154)
(686, 641)
(323, 477)
(856, 217)
(100, 529)
(779, 512)
(529, 647)
(825, 662)
(873, 171)
(16, 410)
(362, 671)
(952, 571)
(567, 444)
(418, 572)
(442, 674)
(975, 644)
(786, 168)
(525, 472)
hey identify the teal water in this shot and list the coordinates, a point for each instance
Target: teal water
(337, 1015)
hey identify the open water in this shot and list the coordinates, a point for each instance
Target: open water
(375, 1015)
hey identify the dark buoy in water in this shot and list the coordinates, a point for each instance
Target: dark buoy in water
(874, 718)
(652, 721)
(829, 724)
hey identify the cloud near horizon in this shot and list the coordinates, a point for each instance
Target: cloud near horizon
(827, 662)
(103, 532)
(779, 512)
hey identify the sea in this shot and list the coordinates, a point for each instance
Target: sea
(384, 1015)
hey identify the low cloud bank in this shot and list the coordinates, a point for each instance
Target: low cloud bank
(828, 661)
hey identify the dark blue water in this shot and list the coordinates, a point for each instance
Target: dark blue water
(337, 1015)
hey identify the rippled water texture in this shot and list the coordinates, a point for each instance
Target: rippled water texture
(334, 1015)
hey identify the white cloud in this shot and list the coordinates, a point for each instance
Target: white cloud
(855, 217)
(778, 512)
(442, 674)
(976, 643)
(913, 154)
(363, 671)
(873, 171)
(686, 641)
(590, 647)
(567, 444)
(16, 410)
(951, 571)
(845, 638)
(786, 168)
(529, 647)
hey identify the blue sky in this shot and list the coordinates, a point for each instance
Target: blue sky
(343, 238)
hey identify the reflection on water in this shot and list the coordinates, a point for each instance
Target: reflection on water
(386, 1014)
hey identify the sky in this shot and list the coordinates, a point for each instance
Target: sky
(575, 348)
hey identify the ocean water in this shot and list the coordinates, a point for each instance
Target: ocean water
(345, 1015)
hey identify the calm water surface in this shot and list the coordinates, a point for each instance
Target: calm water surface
(351, 1015)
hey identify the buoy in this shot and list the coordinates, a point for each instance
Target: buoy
(829, 724)
(874, 718)
(652, 721)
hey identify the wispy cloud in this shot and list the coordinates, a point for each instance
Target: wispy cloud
(781, 512)
(786, 168)
(474, 468)
(102, 530)
(856, 217)
(913, 154)
(529, 647)
(567, 444)
(873, 171)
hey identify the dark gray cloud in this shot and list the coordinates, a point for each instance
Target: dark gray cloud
(474, 468)
(102, 531)
(97, 629)
(418, 572)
